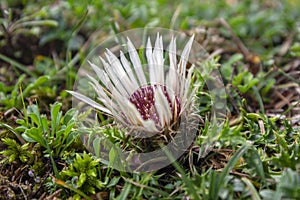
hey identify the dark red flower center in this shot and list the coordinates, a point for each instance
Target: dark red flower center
(144, 101)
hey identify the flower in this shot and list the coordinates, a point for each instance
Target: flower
(147, 97)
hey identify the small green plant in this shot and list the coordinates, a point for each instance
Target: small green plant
(11, 26)
(295, 50)
(244, 81)
(55, 135)
(16, 152)
(10, 97)
(15, 32)
(287, 148)
(210, 185)
(83, 174)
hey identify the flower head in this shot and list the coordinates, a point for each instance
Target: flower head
(149, 96)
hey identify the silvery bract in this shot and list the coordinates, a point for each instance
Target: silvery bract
(146, 97)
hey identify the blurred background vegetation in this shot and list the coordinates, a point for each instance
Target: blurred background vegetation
(256, 42)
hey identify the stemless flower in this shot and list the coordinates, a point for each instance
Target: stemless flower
(149, 97)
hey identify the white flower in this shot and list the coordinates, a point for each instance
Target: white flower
(149, 97)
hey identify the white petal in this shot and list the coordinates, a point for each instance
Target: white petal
(162, 107)
(185, 56)
(183, 84)
(173, 54)
(187, 85)
(102, 76)
(134, 57)
(151, 66)
(172, 75)
(149, 51)
(158, 58)
(89, 101)
(182, 67)
(129, 70)
(149, 125)
(139, 122)
(98, 89)
(120, 72)
(103, 97)
(114, 79)
(174, 105)
(130, 111)
(172, 81)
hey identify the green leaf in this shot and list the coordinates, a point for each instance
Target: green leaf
(237, 80)
(21, 122)
(12, 158)
(68, 173)
(251, 188)
(115, 158)
(227, 68)
(14, 92)
(34, 118)
(35, 135)
(91, 189)
(99, 184)
(113, 181)
(125, 191)
(289, 184)
(295, 49)
(70, 139)
(58, 135)
(247, 86)
(44, 123)
(69, 115)
(96, 146)
(267, 194)
(23, 158)
(253, 160)
(34, 23)
(55, 117)
(17, 65)
(40, 81)
(220, 180)
(81, 180)
(92, 172)
(281, 141)
(68, 129)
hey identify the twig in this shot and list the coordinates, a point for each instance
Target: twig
(175, 16)
(286, 45)
(42, 196)
(215, 53)
(285, 100)
(22, 191)
(53, 195)
(251, 58)
(237, 40)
